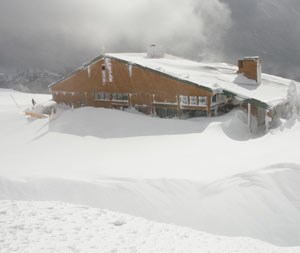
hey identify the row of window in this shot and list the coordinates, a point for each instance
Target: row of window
(184, 100)
(120, 96)
(193, 100)
(104, 96)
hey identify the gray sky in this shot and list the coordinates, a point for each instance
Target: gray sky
(56, 34)
(268, 28)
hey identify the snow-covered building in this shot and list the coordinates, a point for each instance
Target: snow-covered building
(170, 86)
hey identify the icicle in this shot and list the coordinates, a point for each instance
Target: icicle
(130, 69)
(109, 68)
(89, 70)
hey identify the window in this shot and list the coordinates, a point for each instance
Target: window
(120, 96)
(184, 100)
(103, 74)
(115, 96)
(193, 100)
(214, 99)
(102, 96)
(202, 101)
(125, 96)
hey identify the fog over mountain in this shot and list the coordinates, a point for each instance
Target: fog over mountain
(58, 35)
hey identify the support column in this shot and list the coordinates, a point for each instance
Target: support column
(178, 107)
(153, 105)
(249, 116)
(208, 104)
(129, 100)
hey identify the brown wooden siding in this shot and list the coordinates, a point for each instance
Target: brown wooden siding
(146, 88)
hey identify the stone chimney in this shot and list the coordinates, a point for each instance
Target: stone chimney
(250, 67)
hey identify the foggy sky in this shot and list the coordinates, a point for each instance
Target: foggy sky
(55, 34)
(268, 28)
(59, 34)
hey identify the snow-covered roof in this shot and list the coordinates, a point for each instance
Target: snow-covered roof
(214, 76)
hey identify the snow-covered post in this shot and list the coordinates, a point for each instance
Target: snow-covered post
(216, 110)
(268, 120)
(249, 116)
(292, 98)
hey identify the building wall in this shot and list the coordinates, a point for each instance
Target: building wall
(147, 90)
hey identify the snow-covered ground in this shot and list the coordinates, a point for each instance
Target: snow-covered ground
(210, 175)
(59, 227)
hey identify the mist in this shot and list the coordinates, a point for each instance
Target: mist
(58, 34)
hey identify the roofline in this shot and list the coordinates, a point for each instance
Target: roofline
(161, 73)
(247, 100)
(226, 92)
(76, 71)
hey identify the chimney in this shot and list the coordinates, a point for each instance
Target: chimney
(250, 67)
(155, 51)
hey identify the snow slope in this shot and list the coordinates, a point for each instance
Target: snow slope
(207, 174)
(262, 204)
(58, 227)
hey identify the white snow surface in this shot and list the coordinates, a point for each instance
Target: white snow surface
(59, 227)
(272, 90)
(242, 79)
(208, 174)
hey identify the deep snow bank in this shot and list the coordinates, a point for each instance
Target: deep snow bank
(57, 227)
(188, 172)
(262, 204)
(107, 124)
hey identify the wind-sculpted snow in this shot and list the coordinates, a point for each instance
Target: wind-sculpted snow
(262, 204)
(58, 227)
(207, 174)
(118, 124)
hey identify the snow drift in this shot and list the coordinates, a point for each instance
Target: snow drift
(208, 174)
(59, 227)
(262, 204)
